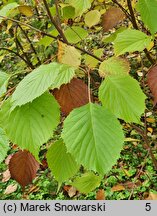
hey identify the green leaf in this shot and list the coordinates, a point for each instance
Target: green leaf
(94, 137)
(130, 41)
(91, 61)
(147, 9)
(4, 78)
(4, 145)
(87, 182)
(112, 37)
(80, 6)
(92, 18)
(123, 96)
(32, 124)
(65, 75)
(75, 34)
(61, 163)
(45, 41)
(114, 66)
(68, 12)
(6, 9)
(38, 81)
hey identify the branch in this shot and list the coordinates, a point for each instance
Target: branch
(57, 11)
(123, 9)
(51, 36)
(144, 136)
(15, 53)
(31, 45)
(54, 22)
(134, 23)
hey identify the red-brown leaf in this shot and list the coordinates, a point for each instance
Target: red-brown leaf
(23, 167)
(100, 195)
(72, 95)
(112, 17)
(152, 81)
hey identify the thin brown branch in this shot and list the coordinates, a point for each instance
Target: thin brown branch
(89, 92)
(143, 133)
(133, 18)
(30, 43)
(134, 23)
(51, 36)
(123, 9)
(15, 53)
(59, 29)
(57, 11)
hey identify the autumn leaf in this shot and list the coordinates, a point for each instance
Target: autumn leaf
(72, 95)
(152, 196)
(68, 55)
(6, 176)
(118, 187)
(152, 82)
(111, 18)
(23, 167)
(100, 195)
(10, 189)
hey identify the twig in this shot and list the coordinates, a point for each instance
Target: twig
(16, 53)
(51, 36)
(54, 22)
(57, 11)
(31, 45)
(138, 174)
(143, 133)
(123, 9)
(147, 142)
(89, 92)
(134, 23)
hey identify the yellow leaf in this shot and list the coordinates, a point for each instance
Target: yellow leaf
(150, 129)
(152, 196)
(68, 55)
(126, 172)
(9, 25)
(26, 10)
(150, 46)
(118, 187)
(150, 120)
(129, 139)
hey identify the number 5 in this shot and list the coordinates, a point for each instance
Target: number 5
(148, 207)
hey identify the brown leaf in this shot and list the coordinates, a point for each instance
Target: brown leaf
(66, 188)
(72, 95)
(23, 167)
(152, 196)
(112, 17)
(6, 176)
(44, 164)
(10, 189)
(118, 187)
(152, 81)
(72, 192)
(100, 195)
(129, 185)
